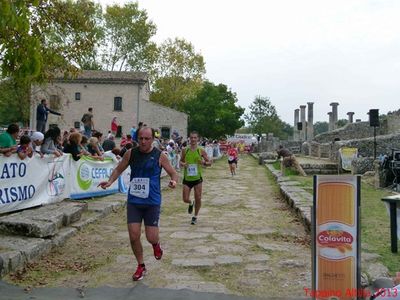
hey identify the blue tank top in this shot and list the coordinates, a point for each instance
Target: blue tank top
(145, 188)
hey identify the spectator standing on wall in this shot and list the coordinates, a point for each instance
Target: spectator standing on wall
(8, 143)
(42, 112)
(114, 126)
(88, 124)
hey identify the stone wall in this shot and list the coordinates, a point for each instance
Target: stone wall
(393, 122)
(164, 117)
(361, 165)
(385, 144)
(350, 131)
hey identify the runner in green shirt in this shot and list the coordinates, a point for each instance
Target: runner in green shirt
(192, 160)
(8, 143)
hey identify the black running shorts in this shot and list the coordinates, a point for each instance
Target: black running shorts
(136, 213)
(191, 184)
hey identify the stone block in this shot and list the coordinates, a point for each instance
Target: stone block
(85, 221)
(377, 270)
(193, 262)
(228, 260)
(10, 261)
(27, 227)
(21, 250)
(72, 214)
(104, 207)
(62, 236)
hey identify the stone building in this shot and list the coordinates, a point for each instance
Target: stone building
(124, 95)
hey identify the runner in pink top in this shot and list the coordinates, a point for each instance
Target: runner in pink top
(232, 159)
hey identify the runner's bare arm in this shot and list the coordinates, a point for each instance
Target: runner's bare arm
(122, 165)
(164, 162)
(206, 161)
(182, 161)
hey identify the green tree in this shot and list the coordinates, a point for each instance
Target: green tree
(126, 44)
(244, 130)
(11, 110)
(321, 127)
(263, 118)
(39, 39)
(213, 112)
(341, 123)
(178, 73)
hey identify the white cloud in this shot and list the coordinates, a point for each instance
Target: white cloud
(293, 51)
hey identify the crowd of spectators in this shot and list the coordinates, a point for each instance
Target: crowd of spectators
(57, 143)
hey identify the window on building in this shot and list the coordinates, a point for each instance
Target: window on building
(118, 103)
(77, 96)
(55, 102)
(165, 132)
(77, 124)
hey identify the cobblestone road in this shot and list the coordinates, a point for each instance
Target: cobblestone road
(246, 243)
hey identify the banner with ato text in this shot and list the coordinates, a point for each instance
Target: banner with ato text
(33, 181)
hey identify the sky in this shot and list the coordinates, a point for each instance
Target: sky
(292, 51)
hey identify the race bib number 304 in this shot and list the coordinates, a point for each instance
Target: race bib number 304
(140, 187)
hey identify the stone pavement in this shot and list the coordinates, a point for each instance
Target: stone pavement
(246, 243)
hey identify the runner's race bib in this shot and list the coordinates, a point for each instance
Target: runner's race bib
(192, 170)
(231, 158)
(140, 187)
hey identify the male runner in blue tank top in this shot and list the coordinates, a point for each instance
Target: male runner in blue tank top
(144, 194)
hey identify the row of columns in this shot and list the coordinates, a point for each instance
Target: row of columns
(304, 130)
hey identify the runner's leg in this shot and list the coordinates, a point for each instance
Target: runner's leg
(186, 194)
(197, 198)
(134, 230)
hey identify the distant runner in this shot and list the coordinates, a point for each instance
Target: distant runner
(192, 160)
(144, 194)
(232, 159)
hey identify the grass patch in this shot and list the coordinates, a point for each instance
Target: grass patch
(288, 171)
(375, 223)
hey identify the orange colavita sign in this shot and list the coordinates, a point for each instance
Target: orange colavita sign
(335, 238)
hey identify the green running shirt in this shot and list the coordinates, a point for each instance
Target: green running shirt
(192, 171)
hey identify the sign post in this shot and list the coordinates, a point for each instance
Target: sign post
(336, 238)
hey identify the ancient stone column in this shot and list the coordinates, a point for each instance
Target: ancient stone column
(303, 122)
(350, 114)
(330, 126)
(310, 121)
(334, 114)
(296, 120)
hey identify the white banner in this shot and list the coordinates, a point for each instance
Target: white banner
(347, 155)
(87, 173)
(33, 181)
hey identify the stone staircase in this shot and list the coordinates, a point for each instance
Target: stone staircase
(26, 235)
(319, 168)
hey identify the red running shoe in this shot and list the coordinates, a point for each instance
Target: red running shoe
(140, 272)
(158, 252)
